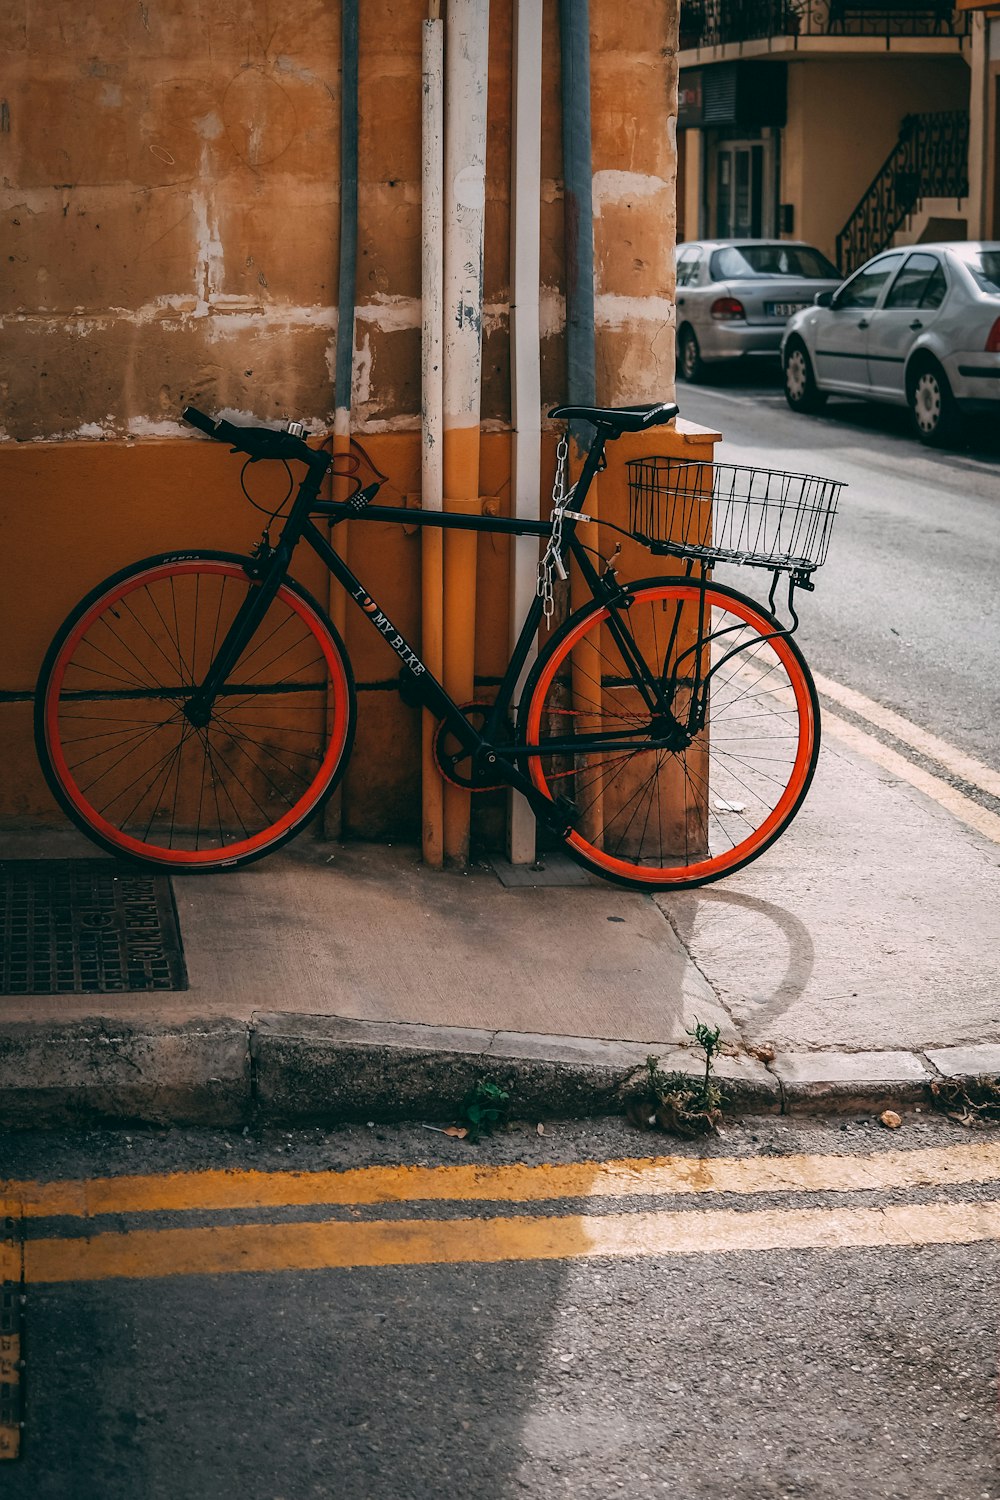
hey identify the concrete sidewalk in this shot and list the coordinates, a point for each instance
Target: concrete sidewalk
(850, 966)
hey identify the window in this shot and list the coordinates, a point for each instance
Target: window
(864, 288)
(935, 290)
(985, 268)
(920, 283)
(687, 266)
(737, 262)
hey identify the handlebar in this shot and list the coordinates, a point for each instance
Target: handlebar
(256, 442)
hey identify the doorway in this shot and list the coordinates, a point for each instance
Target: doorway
(740, 187)
(739, 191)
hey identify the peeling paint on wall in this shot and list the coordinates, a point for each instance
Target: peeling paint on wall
(169, 213)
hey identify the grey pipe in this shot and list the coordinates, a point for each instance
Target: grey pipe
(344, 368)
(578, 209)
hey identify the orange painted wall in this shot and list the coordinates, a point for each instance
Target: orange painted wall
(73, 513)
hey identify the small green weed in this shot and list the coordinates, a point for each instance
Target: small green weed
(484, 1107)
(678, 1102)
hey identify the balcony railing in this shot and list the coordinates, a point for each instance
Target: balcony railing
(713, 23)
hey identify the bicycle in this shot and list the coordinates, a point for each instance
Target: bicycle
(196, 709)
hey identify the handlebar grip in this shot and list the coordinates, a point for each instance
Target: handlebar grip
(199, 419)
(257, 442)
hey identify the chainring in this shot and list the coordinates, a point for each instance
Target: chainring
(454, 762)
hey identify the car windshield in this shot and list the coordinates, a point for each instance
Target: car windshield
(738, 261)
(985, 268)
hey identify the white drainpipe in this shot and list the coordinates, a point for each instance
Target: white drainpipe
(431, 410)
(432, 265)
(525, 342)
(466, 77)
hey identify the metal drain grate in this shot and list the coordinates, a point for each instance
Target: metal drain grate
(76, 926)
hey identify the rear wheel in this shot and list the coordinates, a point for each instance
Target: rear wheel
(690, 365)
(694, 784)
(935, 417)
(128, 766)
(801, 390)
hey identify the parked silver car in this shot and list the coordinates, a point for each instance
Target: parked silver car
(916, 327)
(735, 296)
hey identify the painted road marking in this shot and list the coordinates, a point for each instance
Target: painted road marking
(942, 792)
(980, 819)
(966, 767)
(753, 400)
(270, 1248)
(666, 1176)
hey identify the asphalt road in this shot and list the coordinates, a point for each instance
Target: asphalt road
(907, 608)
(790, 1312)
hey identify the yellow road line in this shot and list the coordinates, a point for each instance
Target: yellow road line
(628, 1178)
(961, 807)
(230, 1249)
(954, 760)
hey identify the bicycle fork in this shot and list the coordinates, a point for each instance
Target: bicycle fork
(198, 708)
(260, 596)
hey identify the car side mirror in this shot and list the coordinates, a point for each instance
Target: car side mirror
(825, 299)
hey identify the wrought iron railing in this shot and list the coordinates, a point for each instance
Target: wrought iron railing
(930, 160)
(713, 23)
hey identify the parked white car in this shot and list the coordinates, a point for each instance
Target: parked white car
(735, 296)
(916, 327)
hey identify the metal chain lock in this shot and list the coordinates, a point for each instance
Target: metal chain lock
(551, 561)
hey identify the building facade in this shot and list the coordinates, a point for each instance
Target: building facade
(984, 121)
(843, 124)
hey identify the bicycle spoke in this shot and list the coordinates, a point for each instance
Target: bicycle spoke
(127, 755)
(132, 742)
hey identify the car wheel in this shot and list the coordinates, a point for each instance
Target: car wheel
(935, 416)
(801, 390)
(690, 365)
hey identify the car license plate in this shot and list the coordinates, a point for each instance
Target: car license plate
(783, 309)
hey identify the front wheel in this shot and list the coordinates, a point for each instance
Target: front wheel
(129, 767)
(681, 724)
(801, 391)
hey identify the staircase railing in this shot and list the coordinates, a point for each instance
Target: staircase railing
(930, 160)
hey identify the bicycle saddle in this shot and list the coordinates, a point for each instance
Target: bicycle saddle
(619, 419)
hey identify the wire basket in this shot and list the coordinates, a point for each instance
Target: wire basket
(714, 513)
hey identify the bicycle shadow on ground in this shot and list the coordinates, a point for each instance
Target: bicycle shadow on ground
(715, 924)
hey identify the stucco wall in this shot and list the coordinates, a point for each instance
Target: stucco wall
(170, 214)
(170, 210)
(843, 120)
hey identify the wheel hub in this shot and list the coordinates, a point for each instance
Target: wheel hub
(197, 713)
(928, 402)
(667, 734)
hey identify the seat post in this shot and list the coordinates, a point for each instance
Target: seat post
(591, 466)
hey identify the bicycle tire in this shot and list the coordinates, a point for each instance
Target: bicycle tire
(134, 774)
(657, 818)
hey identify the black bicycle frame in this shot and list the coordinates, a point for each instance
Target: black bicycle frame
(501, 758)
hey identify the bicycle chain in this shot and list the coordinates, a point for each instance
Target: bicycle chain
(551, 561)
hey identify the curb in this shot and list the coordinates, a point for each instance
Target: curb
(319, 1069)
